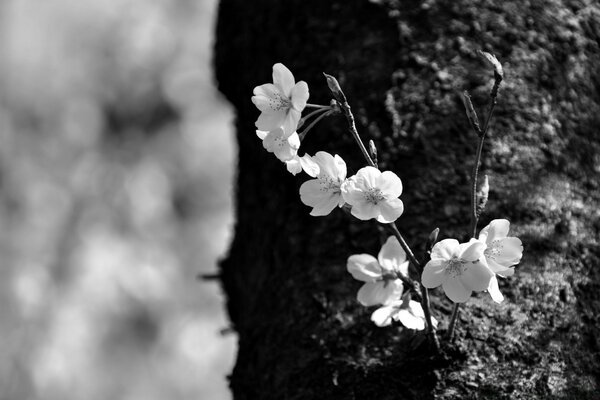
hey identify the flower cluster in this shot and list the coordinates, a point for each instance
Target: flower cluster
(383, 286)
(463, 268)
(371, 194)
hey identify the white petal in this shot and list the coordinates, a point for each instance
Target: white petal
(497, 229)
(391, 255)
(476, 277)
(325, 206)
(264, 95)
(283, 78)
(261, 134)
(494, 291)
(299, 95)
(383, 315)
(340, 166)
(309, 165)
(364, 210)
(390, 210)
(380, 292)
(290, 122)
(270, 120)
(364, 267)
(412, 316)
(351, 193)
(367, 177)
(471, 251)
(389, 184)
(434, 273)
(455, 290)
(445, 249)
(294, 166)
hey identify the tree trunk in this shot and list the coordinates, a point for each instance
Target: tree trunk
(403, 65)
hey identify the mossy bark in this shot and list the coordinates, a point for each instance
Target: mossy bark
(403, 65)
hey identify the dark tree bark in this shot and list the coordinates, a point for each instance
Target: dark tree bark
(402, 64)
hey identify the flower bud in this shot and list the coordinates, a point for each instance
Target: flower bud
(471, 114)
(373, 151)
(432, 239)
(335, 88)
(482, 195)
(493, 61)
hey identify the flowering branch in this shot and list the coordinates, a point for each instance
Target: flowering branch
(498, 76)
(339, 95)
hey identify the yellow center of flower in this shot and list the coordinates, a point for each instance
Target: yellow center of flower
(374, 195)
(493, 249)
(455, 267)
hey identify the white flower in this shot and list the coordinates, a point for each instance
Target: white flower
(284, 148)
(408, 312)
(281, 102)
(323, 193)
(374, 194)
(459, 268)
(382, 285)
(501, 254)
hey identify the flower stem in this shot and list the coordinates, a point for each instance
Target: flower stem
(474, 176)
(424, 292)
(317, 111)
(308, 128)
(453, 318)
(308, 105)
(345, 107)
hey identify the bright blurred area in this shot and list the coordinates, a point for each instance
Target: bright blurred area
(116, 162)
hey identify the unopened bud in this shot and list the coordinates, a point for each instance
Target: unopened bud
(493, 61)
(335, 88)
(471, 114)
(482, 195)
(432, 239)
(373, 151)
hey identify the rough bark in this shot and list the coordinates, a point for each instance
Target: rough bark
(302, 334)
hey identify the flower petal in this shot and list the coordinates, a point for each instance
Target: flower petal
(380, 292)
(471, 251)
(314, 194)
(299, 95)
(261, 134)
(494, 291)
(367, 177)
(270, 120)
(476, 277)
(412, 316)
(445, 249)
(290, 122)
(364, 267)
(390, 210)
(383, 315)
(389, 184)
(434, 273)
(264, 96)
(283, 78)
(455, 290)
(294, 166)
(364, 210)
(497, 229)
(391, 255)
(309, 165)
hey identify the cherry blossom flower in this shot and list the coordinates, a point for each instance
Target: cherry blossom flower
(284, 148)
(281, 102)
(501, 254)
(382, 284)
(408, 312)
(459, 268)
(323, 193)
(374, 194)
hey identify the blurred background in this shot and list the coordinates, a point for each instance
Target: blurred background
(116, 162)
